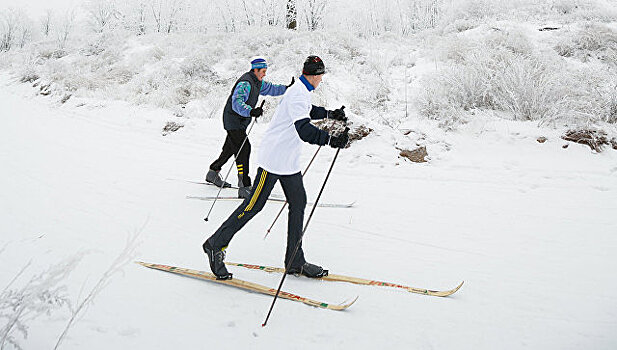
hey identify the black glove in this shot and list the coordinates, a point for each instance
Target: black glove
(293, 80)
(338, 114)
(339, 141)
(256, 112)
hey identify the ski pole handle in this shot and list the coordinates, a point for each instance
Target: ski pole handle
(261, 106)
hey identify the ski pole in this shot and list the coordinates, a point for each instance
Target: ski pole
(302, 235)
(304, 173)
(232, 165)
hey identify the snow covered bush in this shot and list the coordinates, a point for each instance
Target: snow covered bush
(503, 72)
(43, 294)
(23, 300)
(593, 40)
(178, 70)
(482, 61)
(561, 11)
(475, 9)
(564, 7)
(587, 10)
(125, 256)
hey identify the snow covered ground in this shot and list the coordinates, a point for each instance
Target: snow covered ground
(529, 227)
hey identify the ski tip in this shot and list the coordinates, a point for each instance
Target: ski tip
(436, 293)
(459, 286)
(143, 263)
(452, 291)
(346, 305)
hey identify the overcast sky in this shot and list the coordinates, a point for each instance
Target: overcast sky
(35, 8)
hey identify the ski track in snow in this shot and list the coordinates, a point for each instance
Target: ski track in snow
(530, 228)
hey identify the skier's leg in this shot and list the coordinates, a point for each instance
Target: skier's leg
(295, 194)
(227, 151)
(296, 197)
(242, 157)
(213, 176)
(243, 214)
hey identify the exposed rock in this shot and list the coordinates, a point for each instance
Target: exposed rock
(336, 127)
(417, 155)
(359, 133)
(171, 127)
(595, 139)
(544, 29)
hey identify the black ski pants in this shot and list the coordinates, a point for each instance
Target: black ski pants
(231, 147)
(293, 187)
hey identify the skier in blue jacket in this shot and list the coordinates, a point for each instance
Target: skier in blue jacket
(239, 109)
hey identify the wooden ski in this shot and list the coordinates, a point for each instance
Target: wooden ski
(249, 286)
(355, 280)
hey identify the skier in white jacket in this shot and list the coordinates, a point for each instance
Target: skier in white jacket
(279, 160)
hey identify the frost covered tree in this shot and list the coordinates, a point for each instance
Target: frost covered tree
(175, 8)
(9, 23)
(167, 14)
(291, 14)
(101, 13)
(24, 32)
(46, 21)
(65, 28)
(314, 12)
(141, 10)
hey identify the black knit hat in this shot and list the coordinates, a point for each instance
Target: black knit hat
(313, 66)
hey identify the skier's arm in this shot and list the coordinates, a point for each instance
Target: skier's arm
(268, 88)
(239, 98)
(318, 112)
(297, 109)
(310, 133)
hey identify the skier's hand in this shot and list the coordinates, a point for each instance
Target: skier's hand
(339, 141)
(293, 80)
(256, 112)
(338, 114)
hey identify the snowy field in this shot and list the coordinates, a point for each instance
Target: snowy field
(90, 182)
(529, 227)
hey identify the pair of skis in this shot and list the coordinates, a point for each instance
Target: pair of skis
(254, 287)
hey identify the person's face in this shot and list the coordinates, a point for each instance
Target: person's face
(314, 80)
(260, 73)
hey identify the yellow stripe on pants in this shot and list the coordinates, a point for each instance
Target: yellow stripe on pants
(262, 180)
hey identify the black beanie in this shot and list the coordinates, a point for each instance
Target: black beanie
(313, 66)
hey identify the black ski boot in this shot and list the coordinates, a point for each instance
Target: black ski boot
(216, 259)
(243, 191)
(309, 270)
(215, 178)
